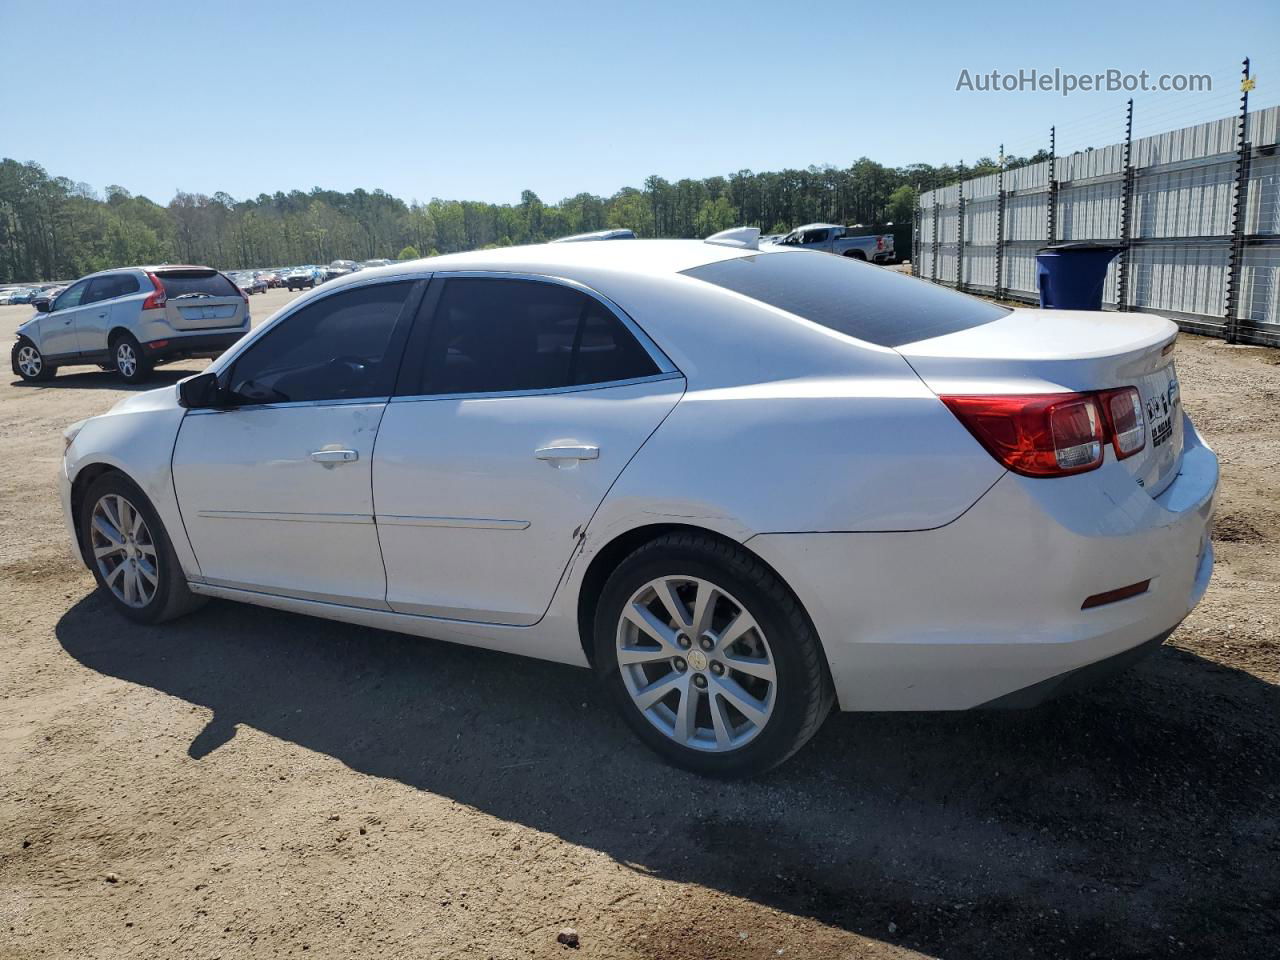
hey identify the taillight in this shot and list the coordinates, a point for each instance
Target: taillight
(1041, 435)
(157, 297)
(879, 243)
(1054, 434)
(1128, 427)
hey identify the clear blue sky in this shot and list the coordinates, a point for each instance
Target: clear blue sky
(480, 100)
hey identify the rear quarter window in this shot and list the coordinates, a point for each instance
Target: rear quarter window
(208, 282)
(859, 300)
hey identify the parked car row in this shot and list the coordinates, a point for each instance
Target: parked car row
(17, 295)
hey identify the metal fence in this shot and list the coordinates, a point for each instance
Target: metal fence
(1196, 212)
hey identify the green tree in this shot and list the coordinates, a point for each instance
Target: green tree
(409, 252)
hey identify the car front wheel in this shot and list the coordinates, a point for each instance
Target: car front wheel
(130, 553)
(709, 656)
(29, 362)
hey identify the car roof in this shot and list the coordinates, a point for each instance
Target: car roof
(818, 226)
(652, 257)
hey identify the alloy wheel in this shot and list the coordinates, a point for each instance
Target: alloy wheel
(696, 664)
(126, 359)
(124, 550)
(29, 360)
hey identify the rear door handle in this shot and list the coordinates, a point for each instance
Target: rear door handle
(334, 456)
(568, 452)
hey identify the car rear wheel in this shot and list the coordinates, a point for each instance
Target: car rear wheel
(130, 553)
(709, 656)
(29, 362)
(130, 362)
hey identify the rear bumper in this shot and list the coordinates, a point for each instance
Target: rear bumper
(180, 347)
(989, 605)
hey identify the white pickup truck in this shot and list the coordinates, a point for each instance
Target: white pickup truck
(832, 238)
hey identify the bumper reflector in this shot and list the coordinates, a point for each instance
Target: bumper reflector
(157, 344)
(1111, 596)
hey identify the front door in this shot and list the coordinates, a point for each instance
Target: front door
(276, 490)
(531, 399)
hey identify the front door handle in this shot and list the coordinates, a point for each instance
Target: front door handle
(568, 451)
(334, 456)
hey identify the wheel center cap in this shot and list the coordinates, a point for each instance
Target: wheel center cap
(697, 660)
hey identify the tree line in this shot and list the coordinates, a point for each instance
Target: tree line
(54, 228)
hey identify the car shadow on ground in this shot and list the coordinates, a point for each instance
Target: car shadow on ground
(89, 379)
(1138, 819)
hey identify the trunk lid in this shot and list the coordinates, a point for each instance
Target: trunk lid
(201, 299)
(1050, 351)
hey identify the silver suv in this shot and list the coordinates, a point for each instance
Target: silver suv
(130, 319)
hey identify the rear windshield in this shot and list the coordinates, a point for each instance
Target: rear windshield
(210, 283)
(871, 303)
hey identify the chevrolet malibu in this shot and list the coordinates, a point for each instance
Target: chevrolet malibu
(742, 486)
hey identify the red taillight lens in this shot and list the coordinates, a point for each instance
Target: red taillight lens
(1041, 435)
(157, 297)
(1128, 427)
(879, 243)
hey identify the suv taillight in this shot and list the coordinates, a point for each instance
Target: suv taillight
(157, 297)
(1055, 434)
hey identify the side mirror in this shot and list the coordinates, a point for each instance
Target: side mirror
(201, 391)
(43, 304)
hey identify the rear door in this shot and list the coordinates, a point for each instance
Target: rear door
(201, 299)
(105, 306)
(521, 402)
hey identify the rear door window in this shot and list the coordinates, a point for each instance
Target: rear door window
(870, 303)
(110, 287)
(208, 283)
(505, 336)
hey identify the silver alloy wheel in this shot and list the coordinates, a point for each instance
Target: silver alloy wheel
(124, 550)
(696, 663)
(29, 360)
(126, 359)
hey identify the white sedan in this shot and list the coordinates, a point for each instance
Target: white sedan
(742, 486)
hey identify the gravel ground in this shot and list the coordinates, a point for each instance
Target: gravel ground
(251, 783)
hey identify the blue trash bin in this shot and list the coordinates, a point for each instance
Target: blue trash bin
(1070, 275)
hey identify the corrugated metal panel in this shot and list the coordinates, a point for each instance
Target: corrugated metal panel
(1026, 217)
(1028, 177)
(1193, 202)
(1101, 162)
(1264, 127)
(1260, 285)
(1090, 212)
(1262, 197)
(980, 222)
(1188, 143)
(1186, 278)
(980, 266)
(1019, 270)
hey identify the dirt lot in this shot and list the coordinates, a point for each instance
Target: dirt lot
(250, 783)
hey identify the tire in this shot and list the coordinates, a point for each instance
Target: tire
(856, 255)
(29, 363)
(145, 546)
(129, 360)
(786, 695)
